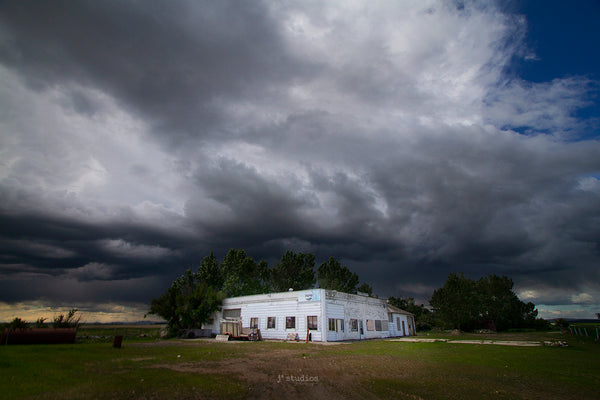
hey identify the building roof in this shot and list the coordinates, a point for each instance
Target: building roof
(396, 310)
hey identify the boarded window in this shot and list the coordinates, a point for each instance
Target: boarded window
(340, 323)
(311, 322)
(398, 323)
(233, 313)
(378, 325)
(354, 325)
(290, 322)
(271, 323)
(254, 322)
(370, 325)
(331, 323)
(384, 325)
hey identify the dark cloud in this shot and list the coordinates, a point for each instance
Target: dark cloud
(176, 63)
(137, 138)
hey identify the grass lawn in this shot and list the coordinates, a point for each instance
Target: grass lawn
(146, 368)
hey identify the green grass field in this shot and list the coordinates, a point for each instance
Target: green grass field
(148, 368)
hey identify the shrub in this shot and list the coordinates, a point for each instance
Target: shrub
(40, 323)
(18, 323)
(68, 321)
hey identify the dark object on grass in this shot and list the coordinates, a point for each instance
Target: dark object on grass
(117, 342)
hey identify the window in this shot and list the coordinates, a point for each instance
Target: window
(378, 325)
(233, 313)
(354, 325)
(370, 325)
(391, 317)
(254, 322)
(331, 324)
(271, 323)
(385, 325)
(340, 325)
(398, 323)
(311, 322)
(290, 322)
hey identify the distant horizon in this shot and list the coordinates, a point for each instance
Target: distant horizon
(407, 139)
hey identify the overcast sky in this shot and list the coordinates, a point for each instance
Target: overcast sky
(408, 139)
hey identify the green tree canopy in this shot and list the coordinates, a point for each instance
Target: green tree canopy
(466, 304)
(423, 317)
(210, 272)
(243, 276)
(294, 270)
(188, 303)
(366, 289)
(332, 275)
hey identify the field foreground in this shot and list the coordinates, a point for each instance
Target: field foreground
(206, 369)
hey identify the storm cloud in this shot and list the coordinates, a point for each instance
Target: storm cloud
(135, 138)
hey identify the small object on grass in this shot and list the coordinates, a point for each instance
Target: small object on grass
(117, 342)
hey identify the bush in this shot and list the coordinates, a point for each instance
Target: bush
(40, 323)
(70, 321)
(19, 323)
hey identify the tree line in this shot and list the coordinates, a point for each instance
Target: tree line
(462, 303)
(194, 296)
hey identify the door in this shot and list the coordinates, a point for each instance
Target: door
(360, 327)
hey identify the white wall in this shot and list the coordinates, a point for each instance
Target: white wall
(394, 331)
(322, 303)
(347, 306)
(299, 304)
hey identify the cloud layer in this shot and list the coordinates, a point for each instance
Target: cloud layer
(137, 138)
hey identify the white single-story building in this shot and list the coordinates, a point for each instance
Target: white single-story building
(327, 315)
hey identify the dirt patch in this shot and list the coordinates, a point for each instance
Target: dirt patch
(279, 373)
(518, 343)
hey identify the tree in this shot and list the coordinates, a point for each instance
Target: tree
(68, 321)
(366, 289)
(209, 271)
(243, 276)
(498, 302)
(295, 271)
(466, 304)
(332, 275)
(456, 303)
(188, 303)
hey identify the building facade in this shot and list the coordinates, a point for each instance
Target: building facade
(324, 315)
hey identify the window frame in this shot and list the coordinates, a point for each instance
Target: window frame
(331, 325)
(271, 322)
(290, 322)
(312, 322)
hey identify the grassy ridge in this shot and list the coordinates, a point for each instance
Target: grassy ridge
(152, 369)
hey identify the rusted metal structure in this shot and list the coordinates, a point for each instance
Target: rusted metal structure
(38, 336)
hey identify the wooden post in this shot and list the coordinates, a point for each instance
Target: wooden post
(117, 342)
